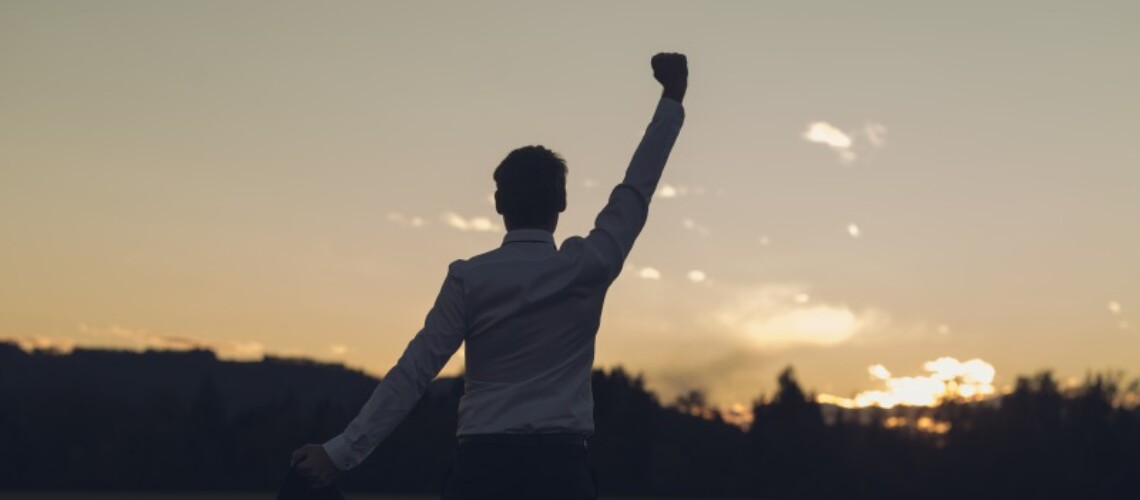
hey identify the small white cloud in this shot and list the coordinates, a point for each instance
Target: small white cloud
(649, 273)
(697, 276)
(456, 221)
(1114, 307)
(407, 221)
(692, 225)
(765, 241)
(876, 134)
(826, 133)
(944, 329)
(338, 349)
(879, 372)
(844, 144)
(668, 190)
(801, 298)
(853, 230)
(482, 224)
(478, 224)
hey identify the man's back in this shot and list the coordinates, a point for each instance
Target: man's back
(528, 312)
(532, 310)
(530, 337)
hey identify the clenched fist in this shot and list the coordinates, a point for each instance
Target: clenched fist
(672, 70)
(313, 464)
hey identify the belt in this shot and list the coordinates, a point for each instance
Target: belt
(525, 439)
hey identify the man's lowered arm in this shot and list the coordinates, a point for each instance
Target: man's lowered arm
(399, 391)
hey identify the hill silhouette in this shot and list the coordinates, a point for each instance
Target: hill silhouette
(161, 420)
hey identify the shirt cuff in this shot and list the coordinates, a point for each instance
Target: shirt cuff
(339, 452)
(669, 105)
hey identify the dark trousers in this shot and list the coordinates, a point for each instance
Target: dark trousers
(514, 468)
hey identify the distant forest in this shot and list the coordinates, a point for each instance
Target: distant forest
(186, 421)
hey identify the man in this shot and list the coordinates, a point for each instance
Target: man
(528, 312)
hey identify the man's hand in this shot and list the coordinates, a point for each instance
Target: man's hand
(314, 465)
(672, 70)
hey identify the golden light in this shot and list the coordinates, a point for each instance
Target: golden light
(928, 424)
(948, 379)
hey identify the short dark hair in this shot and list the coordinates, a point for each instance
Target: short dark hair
(531, 183)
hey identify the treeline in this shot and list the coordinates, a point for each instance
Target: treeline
(110, 420)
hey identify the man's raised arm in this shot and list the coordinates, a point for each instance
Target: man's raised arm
(619, 223)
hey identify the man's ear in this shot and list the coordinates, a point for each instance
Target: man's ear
(562, 204)
(498, 203)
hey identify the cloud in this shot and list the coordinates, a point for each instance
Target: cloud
(948, 378)
(697, 276)
(1116, 309)
(338, 349)
(845, 144)
(141, 339)
(830, 136)
(879, 372)
(649, 273)
(779, 316)
(876, 134)
(400, 219)
(692, 225)
(476, 224)
(853, 230)
(826, 133)
(667, 190)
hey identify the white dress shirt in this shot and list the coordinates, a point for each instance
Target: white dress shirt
(529, 313)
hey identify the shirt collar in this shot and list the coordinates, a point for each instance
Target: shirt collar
(531, 235)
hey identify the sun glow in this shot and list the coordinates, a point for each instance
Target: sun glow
(948, 379)
(923, 424)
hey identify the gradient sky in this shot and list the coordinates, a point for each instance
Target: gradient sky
(856, 183)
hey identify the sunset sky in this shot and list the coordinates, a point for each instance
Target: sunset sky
(857, 184)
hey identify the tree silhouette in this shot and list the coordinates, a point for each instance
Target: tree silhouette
(155, 421)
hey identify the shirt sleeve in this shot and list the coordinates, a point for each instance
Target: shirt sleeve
(400, 390)
(619, 223)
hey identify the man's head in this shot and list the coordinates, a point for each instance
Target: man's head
(531, 188)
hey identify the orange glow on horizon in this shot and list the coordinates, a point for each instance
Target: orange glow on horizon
(948, 379)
